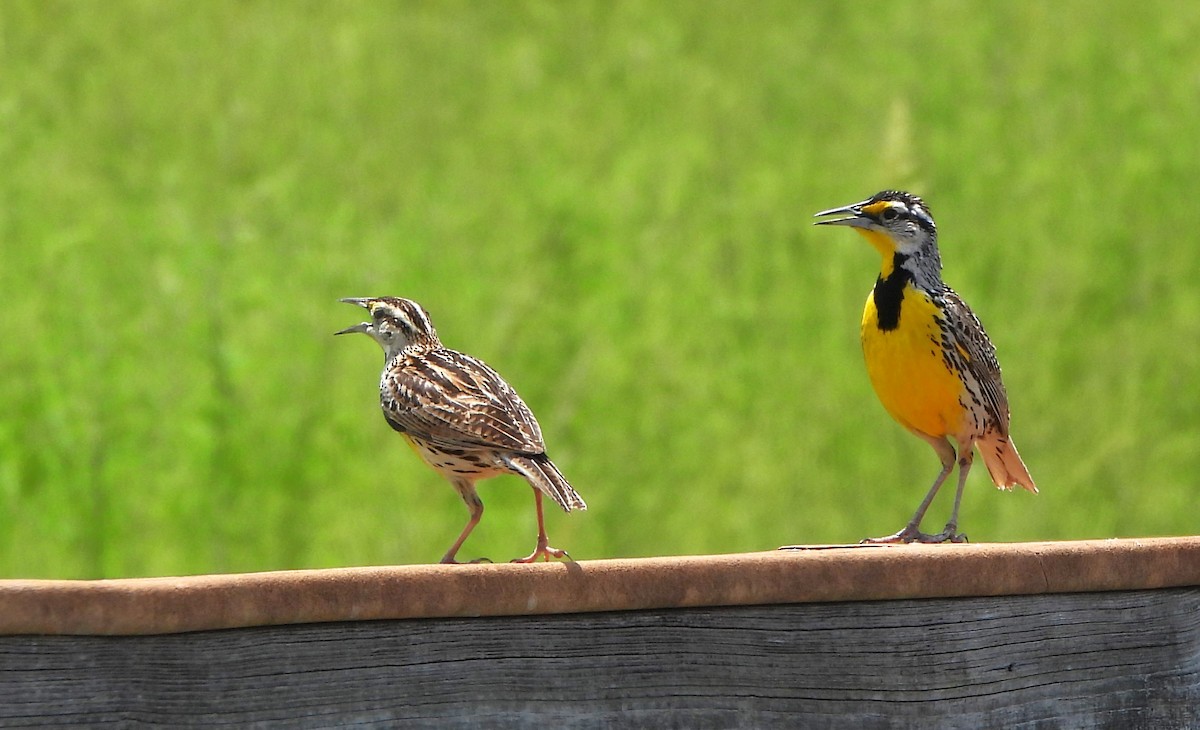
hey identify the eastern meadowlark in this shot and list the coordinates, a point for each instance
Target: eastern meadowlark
(459, 415)
(931, 363)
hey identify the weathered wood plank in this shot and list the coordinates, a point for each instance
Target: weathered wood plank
(1114, 659)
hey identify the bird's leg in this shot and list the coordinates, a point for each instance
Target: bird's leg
(912, 531)
(543, 549)
(466, 490)
(966, 455)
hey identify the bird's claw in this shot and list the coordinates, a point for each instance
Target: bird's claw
(451, 561)
(912, 534)
(544, 551)
(941, 537)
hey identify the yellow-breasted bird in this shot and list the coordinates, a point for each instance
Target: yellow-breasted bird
(459, 415)
(931, 363)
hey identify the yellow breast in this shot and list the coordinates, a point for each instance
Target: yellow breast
(907, 369)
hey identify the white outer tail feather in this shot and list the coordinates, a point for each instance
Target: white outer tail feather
(544, 476)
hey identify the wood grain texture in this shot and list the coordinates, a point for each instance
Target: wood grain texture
(1106, 660)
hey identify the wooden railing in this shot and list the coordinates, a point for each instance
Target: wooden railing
(1069, 634)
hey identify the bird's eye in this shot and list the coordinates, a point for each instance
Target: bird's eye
(377, 314)
(889, 214)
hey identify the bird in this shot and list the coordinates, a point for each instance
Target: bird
(928, 357)
(460, 416)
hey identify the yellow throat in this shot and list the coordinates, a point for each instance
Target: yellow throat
(902, 346)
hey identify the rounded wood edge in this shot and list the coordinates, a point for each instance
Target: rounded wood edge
(140, 606)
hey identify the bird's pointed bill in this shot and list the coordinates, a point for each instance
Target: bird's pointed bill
(852, 216)
(364, 327)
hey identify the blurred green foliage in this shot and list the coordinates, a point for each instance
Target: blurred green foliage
(609, 202)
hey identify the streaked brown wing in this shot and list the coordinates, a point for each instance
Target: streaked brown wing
(982, 365)
(453, 400)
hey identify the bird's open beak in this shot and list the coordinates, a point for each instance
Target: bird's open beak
(364, 327)
(853, 216)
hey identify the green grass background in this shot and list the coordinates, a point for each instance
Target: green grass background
(609, 202)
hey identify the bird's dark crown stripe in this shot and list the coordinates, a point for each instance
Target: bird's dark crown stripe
(404, 312)
(914, 208)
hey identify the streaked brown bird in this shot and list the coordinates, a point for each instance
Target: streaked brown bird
(462, 418)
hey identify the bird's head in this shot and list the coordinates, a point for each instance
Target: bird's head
(395, 324)
(894, 222)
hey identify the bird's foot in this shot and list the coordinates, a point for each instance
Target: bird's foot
(911, 534)
(898, 538)
(543, 551)
(950, 534)
(449, 560)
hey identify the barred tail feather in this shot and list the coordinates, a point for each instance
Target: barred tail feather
(544, 476)
(1004, 463)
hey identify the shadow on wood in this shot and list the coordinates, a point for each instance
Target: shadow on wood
(928, 655)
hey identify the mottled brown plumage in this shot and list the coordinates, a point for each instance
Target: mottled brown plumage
(459, 414)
